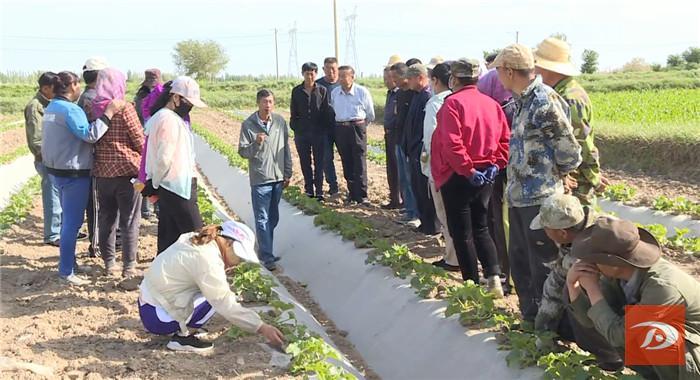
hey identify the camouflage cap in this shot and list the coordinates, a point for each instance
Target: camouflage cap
(516, 57)
(558, 212)
(465, 68)
(415, 70)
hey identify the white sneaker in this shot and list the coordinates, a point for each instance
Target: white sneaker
(75, 280)
(493, 286)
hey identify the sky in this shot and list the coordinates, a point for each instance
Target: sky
(140, 34)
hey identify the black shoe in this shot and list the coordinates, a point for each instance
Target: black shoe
(320, 198)
(189, 343)
(365, 202)
(55, 243)
(390, 206)
(271, 266)
(613, 366)
(309, 195)
(276, 259)
(81, 236)
(450, 268)
(333, 191)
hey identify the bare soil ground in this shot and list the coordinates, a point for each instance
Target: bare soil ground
(11, 140)
(94, 332)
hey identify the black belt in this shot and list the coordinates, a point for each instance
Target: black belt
(349, 123)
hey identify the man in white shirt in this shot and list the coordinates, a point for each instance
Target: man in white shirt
(354, 110)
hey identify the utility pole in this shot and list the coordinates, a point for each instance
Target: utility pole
(277, 60)
(517, 37)
(335, 27)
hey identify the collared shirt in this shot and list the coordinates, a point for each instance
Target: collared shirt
(118, 152)
(543, 148)
(309, 110)
(264, 124)
(356, 104)
(271, 160)
(588, 173)
(390, 109)
(429, 125)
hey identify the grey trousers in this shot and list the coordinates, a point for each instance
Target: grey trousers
(528, 252)
(119, 203)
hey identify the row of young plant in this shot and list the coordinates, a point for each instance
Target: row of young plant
(622, 192)
(20, 204)
(680, 241)
(310, 353)
(470, 302)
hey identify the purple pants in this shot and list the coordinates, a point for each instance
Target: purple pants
(157, 321)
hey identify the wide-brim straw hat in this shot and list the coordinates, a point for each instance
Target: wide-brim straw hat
(554, 55)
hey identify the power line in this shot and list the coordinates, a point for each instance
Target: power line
(293, 62)
(350, 45)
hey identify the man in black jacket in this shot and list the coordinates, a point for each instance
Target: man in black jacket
(419, 82)
(309, 120)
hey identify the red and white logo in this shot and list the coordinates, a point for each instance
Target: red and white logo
(654, 335)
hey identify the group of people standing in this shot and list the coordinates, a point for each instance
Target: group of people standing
(91, 150)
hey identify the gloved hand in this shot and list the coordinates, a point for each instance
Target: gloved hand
(491, 172)
(478, 179)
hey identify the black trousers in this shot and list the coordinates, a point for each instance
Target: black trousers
(311, 146)
(421, 190)
(496, 227)
(120, 205)
(92, 211)
(466, 207)
(529, 251)
(391, 138)
(352, 145)
(177, 216)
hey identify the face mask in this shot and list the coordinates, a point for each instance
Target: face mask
(183, 109)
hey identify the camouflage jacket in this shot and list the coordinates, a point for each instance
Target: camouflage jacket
(552, 303)
(588, 173)
(543, 148)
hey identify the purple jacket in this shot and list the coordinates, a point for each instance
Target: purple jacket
(490, 85)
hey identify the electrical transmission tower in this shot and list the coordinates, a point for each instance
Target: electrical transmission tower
(293, 62)
(350, 45)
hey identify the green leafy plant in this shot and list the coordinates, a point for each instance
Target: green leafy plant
(686, 244)
(659, 232)
(206, 207)
(474, 305)
(427, 278)
(20, 204)
(398, 258)
(229, 151)
(680, 205)
(526, 347)
(620, 192)
(309, 356)
(251, 285)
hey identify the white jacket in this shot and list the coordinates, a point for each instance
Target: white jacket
(170, 153)
(184, 270)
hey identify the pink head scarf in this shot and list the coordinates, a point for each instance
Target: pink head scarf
(111, 84)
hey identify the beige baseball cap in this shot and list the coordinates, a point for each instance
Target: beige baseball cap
(393, 60)
(434, 62)
(515, 56)
(243, 240)
(95, 64)
(465, 68)
(558, 212)
(189, 89)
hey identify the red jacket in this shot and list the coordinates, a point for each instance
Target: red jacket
(472, 133)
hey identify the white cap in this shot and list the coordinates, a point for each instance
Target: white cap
(243, 240)
(95, 63)
(187, 88)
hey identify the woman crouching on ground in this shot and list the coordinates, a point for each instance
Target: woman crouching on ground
(186, 284)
